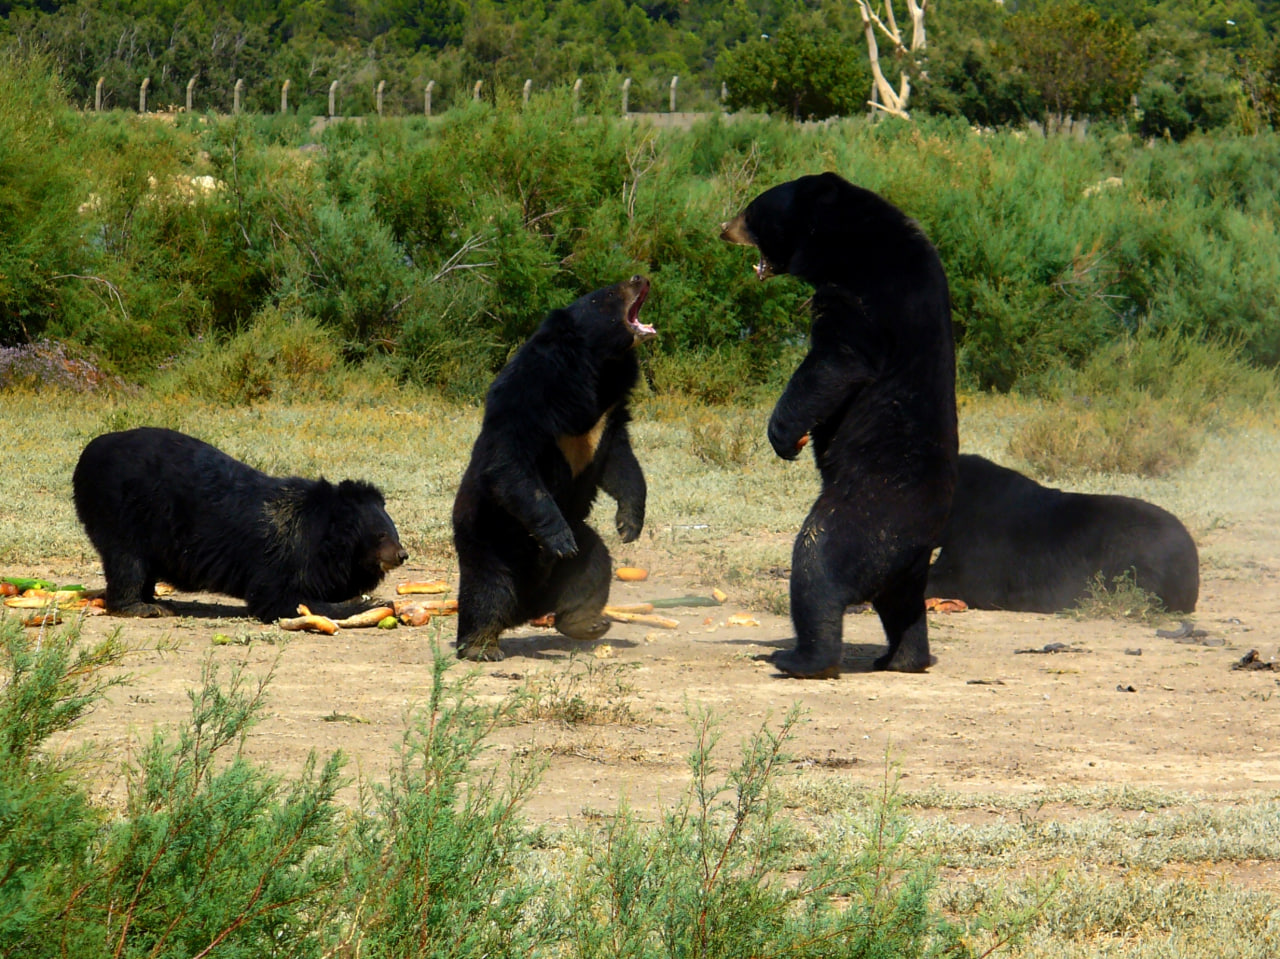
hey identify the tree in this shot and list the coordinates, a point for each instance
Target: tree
(1081, 64)
(883, 95)
(807, 70)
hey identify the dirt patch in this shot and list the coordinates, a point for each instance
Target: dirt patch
(1125, 706)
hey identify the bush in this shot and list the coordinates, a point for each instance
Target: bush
(39, 191)
(710, 879)
(1142, 405)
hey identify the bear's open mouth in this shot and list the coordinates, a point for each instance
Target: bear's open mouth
(641, 331)
(737, 232)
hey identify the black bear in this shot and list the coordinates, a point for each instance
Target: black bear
(554, 432)
(876, 395)
(158, 504)
(1014, 544)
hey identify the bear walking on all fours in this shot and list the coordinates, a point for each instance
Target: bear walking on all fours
(1014, 544)
(554, 433)
(160, 505)
(876, 395)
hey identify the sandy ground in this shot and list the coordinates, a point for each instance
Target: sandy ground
(1122, 706)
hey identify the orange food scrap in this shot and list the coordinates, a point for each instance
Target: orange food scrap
(431, 586)
(935, 605)
(632, 574)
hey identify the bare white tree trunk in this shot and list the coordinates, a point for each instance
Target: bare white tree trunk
(883, 95)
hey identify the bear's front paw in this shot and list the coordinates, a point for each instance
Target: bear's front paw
(561, 544)
(785, 442)
(630, 523)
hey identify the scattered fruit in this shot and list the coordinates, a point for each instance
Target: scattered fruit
(719, 595)
(433, 586)
(413, 614)
(632, 574)
(643, 619)
(629, 608)
(310, 622)
(370, 617)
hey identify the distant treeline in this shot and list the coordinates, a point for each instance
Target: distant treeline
(432, 248)
(1168, 66)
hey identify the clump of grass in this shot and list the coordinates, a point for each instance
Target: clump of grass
(725, 438)
(1122, 598)
(1129, 434)
(278, 356)
(1143, 405)
(715, 377)
(586, 692)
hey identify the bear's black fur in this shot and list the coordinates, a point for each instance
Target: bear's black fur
(1014, 544)
(160, 505)
(554, 432)
(876, 394)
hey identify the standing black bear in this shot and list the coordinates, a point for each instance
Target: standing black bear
(158, 504)
(876, 394)
(554, 432)
(1014, 544)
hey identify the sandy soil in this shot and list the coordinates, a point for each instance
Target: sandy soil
(1123, 706)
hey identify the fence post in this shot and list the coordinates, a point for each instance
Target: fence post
(382, 85)
(528, 88)
(475, 91)
(724, 94)
(626, 95)
(236, 94)
(191, 86)
(577, 93)
(284, 97)
(674, 81)
(333, 98)
(142, 95)
(97, 94)
(426, 104)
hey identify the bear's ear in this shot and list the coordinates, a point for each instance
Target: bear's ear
(360, 491)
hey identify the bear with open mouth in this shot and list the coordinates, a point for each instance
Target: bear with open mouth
(554, 433)
(875, 395)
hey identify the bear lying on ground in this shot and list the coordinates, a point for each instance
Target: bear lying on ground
(1014, 544)
(160, 505)
(554, 432)
(876, 394)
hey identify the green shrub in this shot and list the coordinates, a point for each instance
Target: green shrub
(41, 256)
(275, 356)
(430, 862)
(711, 878)
(48, 826)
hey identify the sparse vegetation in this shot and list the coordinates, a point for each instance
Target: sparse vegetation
(584, 692)
(1122, 598)
(212, 853)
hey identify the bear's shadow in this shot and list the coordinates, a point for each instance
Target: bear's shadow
(550, 645)
(854, 657)
(206, 609)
